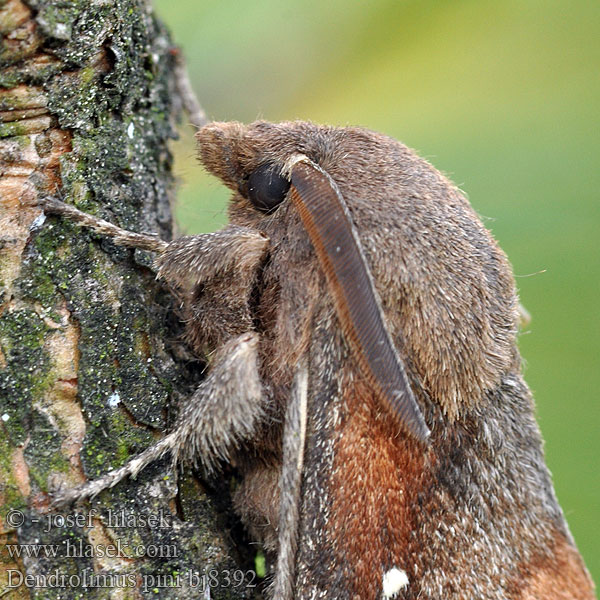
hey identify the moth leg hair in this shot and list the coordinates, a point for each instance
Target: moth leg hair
(121, 237)
(186, 261)
(223, 265)
(223, 413)
(228, 404)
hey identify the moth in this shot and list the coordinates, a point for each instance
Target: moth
(365, 377)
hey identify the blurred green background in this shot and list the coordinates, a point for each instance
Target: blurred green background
(503, 96)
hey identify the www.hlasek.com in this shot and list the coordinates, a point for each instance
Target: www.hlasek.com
(79, 549)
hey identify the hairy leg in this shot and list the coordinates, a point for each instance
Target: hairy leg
(121, 237)
(294, 439)
(225, 411)
(186, 261)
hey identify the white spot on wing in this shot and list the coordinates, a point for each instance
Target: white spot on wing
(394, 581)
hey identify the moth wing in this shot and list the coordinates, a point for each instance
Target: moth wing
(359, 495)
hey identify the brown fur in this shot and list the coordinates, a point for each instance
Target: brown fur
(558, 576)
(459, 340)
(382, 477)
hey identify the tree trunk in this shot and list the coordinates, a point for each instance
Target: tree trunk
(90, 363)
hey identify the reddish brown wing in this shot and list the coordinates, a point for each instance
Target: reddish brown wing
(452, 521)
(363, 480)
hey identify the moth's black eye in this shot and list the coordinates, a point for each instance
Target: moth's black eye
(267, 187)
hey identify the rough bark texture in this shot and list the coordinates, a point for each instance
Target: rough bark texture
(90, 366)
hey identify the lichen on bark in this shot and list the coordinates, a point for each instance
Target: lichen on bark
(90, 363)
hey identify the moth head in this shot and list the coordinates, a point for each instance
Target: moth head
(240, 155)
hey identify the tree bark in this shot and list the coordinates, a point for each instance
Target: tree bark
(90, 363)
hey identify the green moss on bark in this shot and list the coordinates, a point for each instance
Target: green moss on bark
(25, 378)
